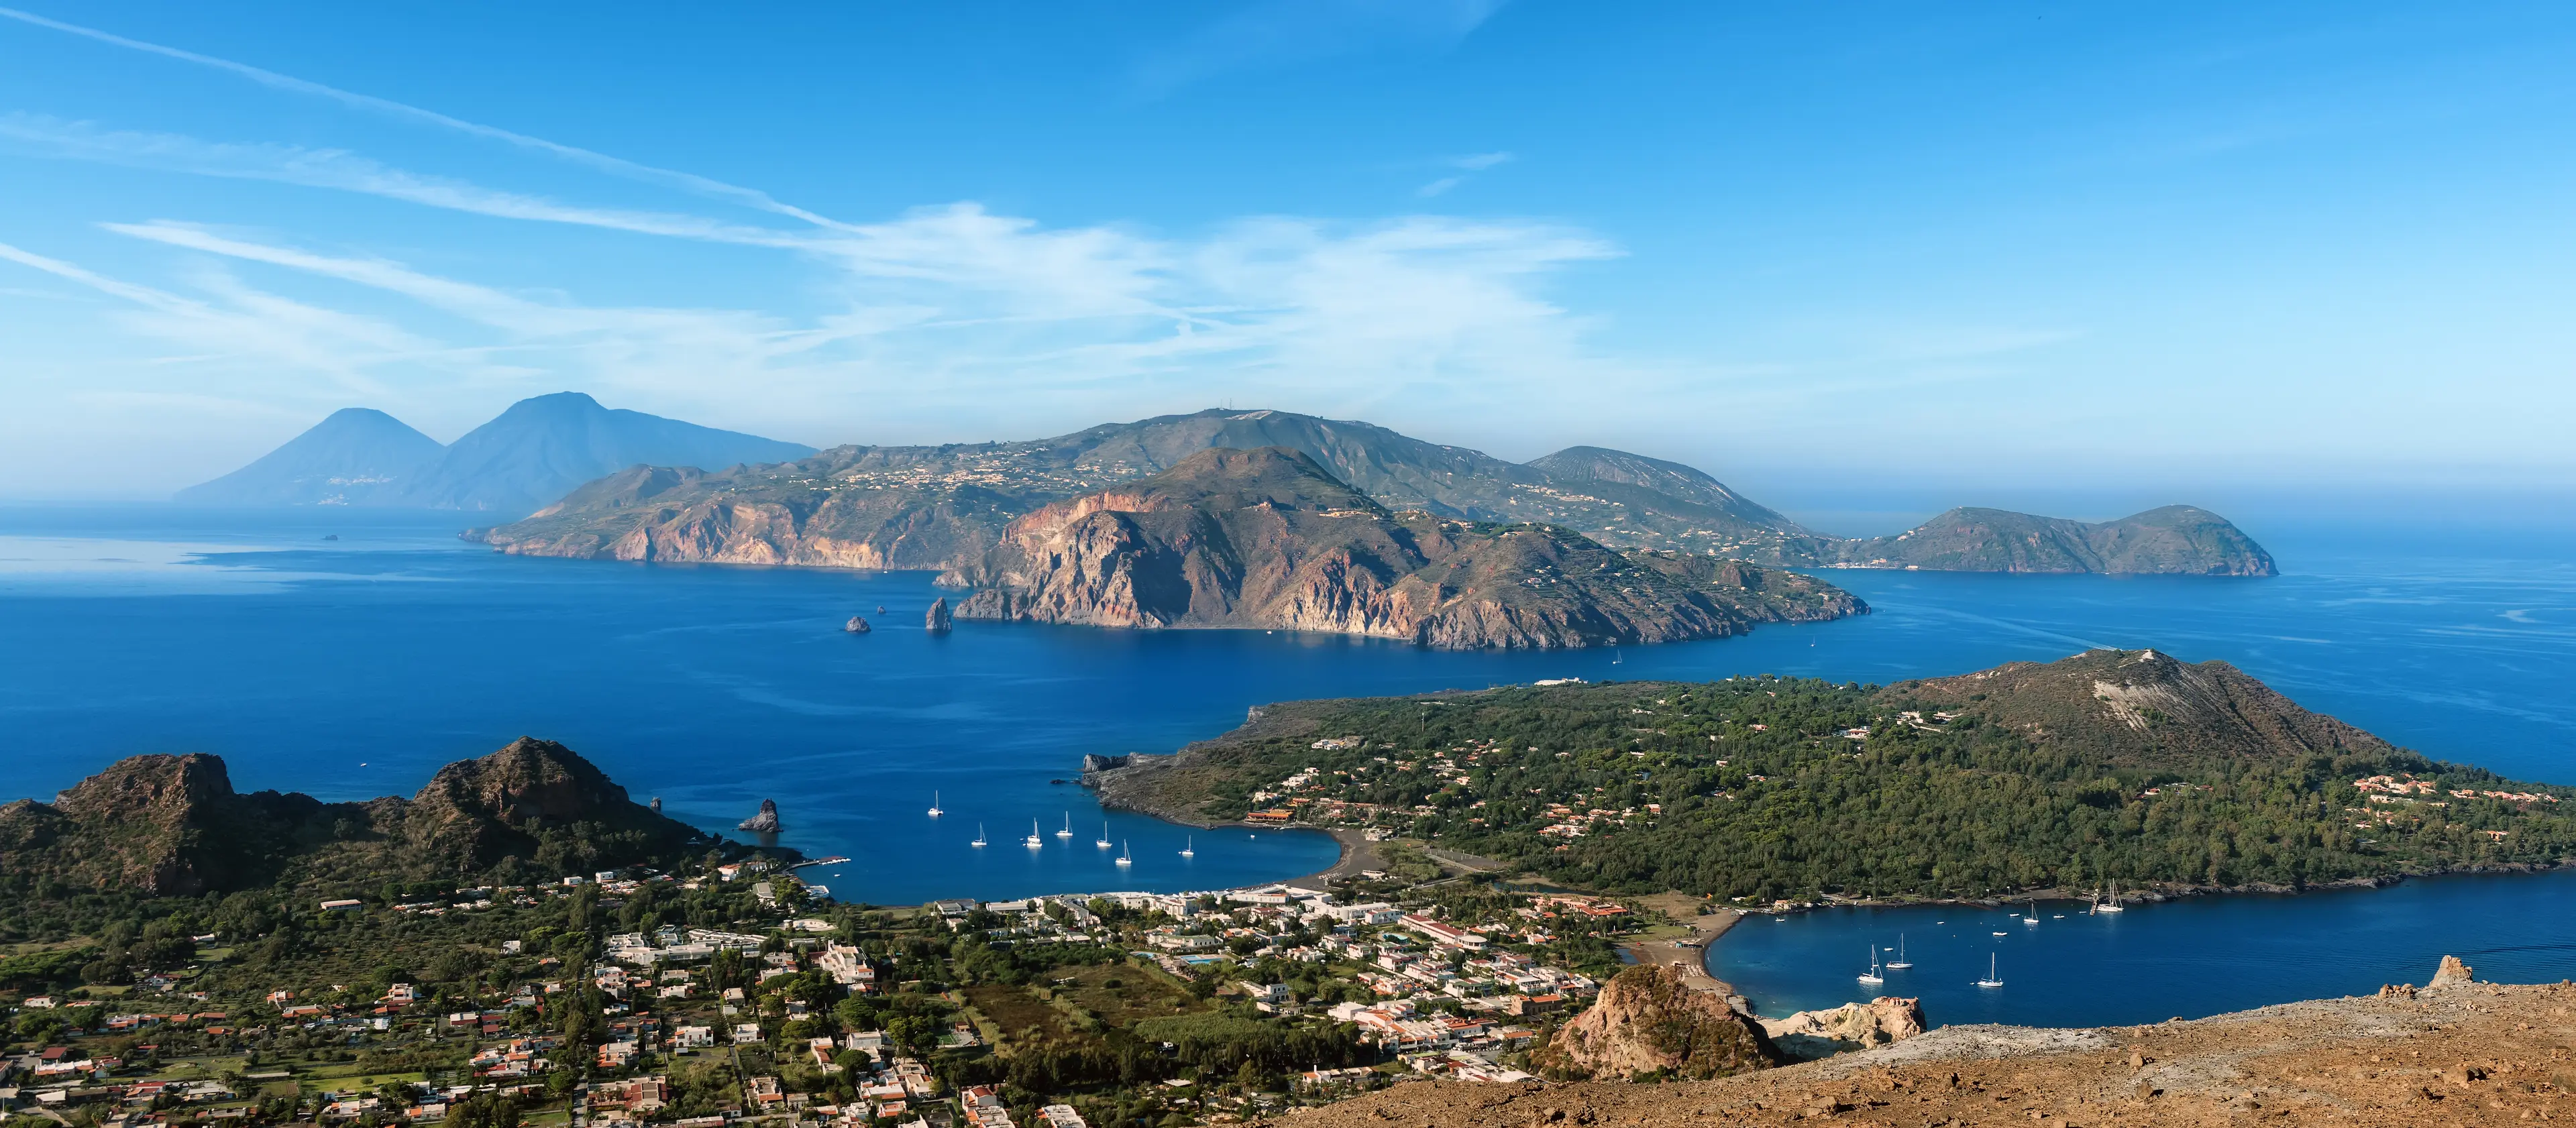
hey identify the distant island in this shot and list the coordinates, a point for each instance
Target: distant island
(2109, 768)
(945, 507)
(1268, 538)
(529, 455)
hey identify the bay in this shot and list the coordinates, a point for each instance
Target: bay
(354, 667)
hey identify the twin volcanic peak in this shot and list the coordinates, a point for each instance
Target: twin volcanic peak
(531, 454)
(173, 825)
(943, 507)
(1269, 538)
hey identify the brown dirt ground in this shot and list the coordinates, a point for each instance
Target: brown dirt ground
(2477, 1054)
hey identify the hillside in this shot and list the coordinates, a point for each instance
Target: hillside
(940, 507)
(2468, 1054)
(351, 458)
(2122, 766)
(173, 825)
(530, 454)
(2174, 540)
(1268, 538)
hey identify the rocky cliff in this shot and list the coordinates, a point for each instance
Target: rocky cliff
(173, 825)
(1648, 1022)
(1268, 538)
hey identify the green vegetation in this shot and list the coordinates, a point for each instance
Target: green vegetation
(1767, 787)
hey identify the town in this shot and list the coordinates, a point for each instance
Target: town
(733, 993)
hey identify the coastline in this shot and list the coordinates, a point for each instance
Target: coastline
(1692, 961)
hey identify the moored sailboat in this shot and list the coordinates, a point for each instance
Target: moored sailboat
(1872, 976)
(1991, 979)
(1899, 963)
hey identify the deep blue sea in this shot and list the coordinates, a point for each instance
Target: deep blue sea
(353, 668)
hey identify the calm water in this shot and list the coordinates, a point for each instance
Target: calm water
(354, 668)
(2187, 959)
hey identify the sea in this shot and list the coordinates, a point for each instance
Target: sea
(349, 653)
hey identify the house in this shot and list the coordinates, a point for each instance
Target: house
(746, 1034)
(695, 1037)
(848, 966)
(764, 1091)
(1263, 992)
(1061, 1116)
(345, 905)
(616, 1055)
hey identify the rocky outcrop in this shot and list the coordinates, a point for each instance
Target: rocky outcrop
(2451, 973)
(938, 619)
(172, 825)
(1808, 1035)
(1648, 1022)
(1266, 538)
(766, 822)
(1094, 762)
(856, 625)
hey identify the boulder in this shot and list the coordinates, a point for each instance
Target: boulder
(856, 625)
(1649, 1022)
(766, 822)
(2452, 973)
(1808, 1035)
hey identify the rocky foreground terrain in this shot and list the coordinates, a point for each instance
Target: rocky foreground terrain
(2458, 1053)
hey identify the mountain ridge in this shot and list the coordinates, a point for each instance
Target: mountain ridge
(941, 507)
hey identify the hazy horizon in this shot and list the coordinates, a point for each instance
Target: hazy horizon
(2106, 254)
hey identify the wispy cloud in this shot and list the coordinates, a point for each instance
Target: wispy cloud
(1468, 165)
(1274, 33)
(615, 166)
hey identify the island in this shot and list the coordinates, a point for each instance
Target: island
(944, 507)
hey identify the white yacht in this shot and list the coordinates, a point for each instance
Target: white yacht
(1872, 977)
(1103, 843)
(979, 836)
(935, 812)
(1991, 979)
(1067, 832)
(1123, 859)
(1186, 851)
(1899, 963)
(1033, 841)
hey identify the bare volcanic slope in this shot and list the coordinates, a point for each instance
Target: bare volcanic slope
(1268, 538)
(2466, 1054)
(2141, 708)
(2174, 540)
(173, 825)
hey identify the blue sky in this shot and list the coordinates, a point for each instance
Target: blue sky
(2135, 250)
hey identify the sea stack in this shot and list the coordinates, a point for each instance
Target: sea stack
(856, 625)
(657, 804)
(938, 621)
(766, 822)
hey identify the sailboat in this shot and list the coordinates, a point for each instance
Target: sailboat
(2031, 917)
(1033, 841)
(2112, 905)
(1899, 963)
(1991, 980)
(1186, 852)
(1067, 832)
(1103, 843)
(935, 812)
(1872, 977)
(1123, 859)
(978, 843)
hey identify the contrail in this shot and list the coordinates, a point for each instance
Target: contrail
(614, 165)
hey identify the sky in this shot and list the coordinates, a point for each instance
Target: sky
(2113, 252)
